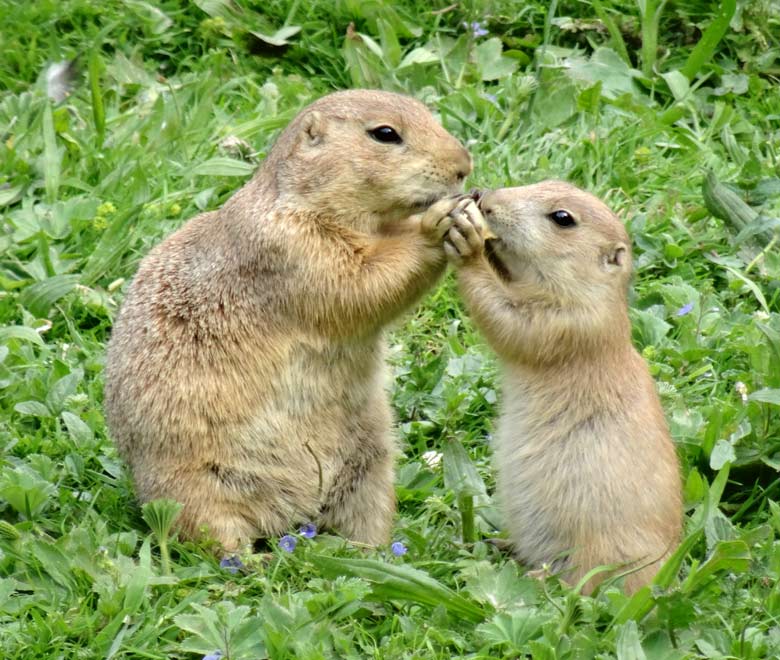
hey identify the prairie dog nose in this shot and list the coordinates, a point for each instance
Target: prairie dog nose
(462, 163)
(486, 203)
(493, 201)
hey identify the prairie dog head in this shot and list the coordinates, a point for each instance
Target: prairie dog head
(367, 153)
(557, 239)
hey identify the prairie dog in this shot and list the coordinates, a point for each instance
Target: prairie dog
(245, 374)
(587, 474)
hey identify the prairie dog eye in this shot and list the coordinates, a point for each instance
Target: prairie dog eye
(562, 218)
(386, 134)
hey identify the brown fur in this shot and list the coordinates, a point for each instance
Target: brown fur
(248, 355)
(586, 471)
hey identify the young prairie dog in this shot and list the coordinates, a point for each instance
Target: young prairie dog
(587, 474)
(245, 374)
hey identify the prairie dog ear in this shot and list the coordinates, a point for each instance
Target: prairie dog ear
(313, 128)
(615, 258)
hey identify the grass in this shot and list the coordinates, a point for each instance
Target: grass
(172, 106)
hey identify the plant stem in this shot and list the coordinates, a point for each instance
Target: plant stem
(650, 19)
(466, 506)
(165, 558)
(761, 254)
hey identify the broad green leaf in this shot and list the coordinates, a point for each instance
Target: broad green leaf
(678, 84)
(766, 396)
(362, 63)
(629, 645)
(279, 38)
(156, 19)
(81, 433)
(224, 627)
(388, 38)
(695, 487)
(589, 100)
(421, 55)
(10, 195)
(727, 556)
(754, 288)
(555, 103)
(402, 582)
(225, 9)
(39, 297)
(722, 453)
(460, 474)
(607, 67)
(513, 629)
(732, 83)
(761, 226)
(136, 590)
(205, 628)
(650, 327)
(112, 245)
(63, 388)
(54, 561)
(500, 589)
(222, 166)
(34, 408)
(20, 332)
(491, 62)
(774, 518)
(26, 491)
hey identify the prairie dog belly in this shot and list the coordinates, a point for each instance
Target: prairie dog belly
(327, 403)
(533, 486)
(554, 475)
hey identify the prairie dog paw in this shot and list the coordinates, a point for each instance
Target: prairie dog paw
(437, 220)
(464, 239)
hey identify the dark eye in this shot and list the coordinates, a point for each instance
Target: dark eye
(562, 218)
(385, 134)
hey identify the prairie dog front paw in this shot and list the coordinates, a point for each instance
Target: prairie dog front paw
(436, 221)
(465, 240)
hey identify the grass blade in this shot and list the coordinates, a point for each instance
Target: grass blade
(98, 110)
(614, 32)
(710, 39)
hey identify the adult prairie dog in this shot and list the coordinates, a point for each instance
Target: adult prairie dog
(245, 374)
(587, 474)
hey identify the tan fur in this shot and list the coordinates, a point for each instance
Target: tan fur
(586, 471)
(248, 355)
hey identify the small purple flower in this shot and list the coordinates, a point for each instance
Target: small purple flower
(214, 655)
(309, 530)
(477, 29)
(231, 564)
(685, 309)
(398, 549)
(490, 97)
(288, 543)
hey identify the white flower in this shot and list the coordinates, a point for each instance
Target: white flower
(432, 458)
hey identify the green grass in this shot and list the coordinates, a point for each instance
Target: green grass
(89, 184)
